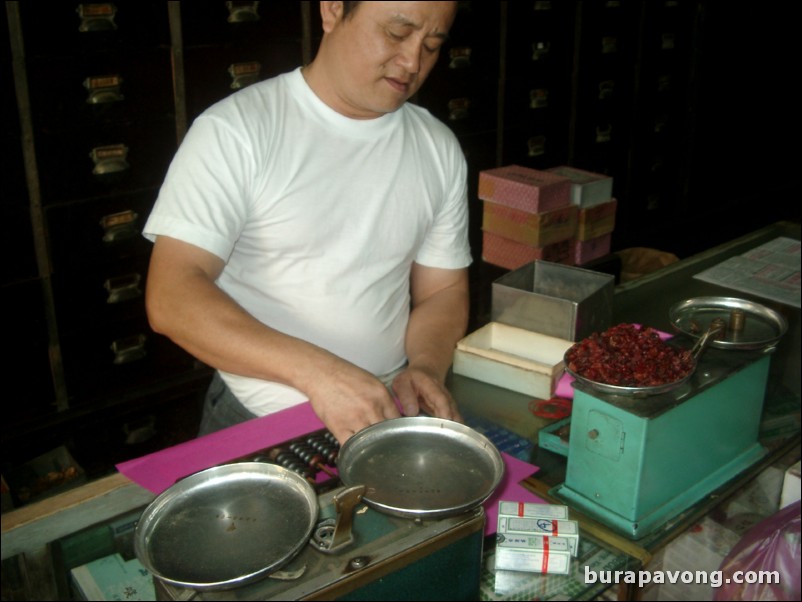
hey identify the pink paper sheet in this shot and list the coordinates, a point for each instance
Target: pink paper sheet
(158, 471)
(510, 490)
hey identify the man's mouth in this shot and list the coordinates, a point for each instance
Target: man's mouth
(397, 84)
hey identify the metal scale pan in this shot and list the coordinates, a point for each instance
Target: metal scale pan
(421, 467)
(226, 526)
(760, 326)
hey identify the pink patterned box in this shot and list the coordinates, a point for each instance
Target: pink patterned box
(595, 221)
(588, 250)
(511, 255)
(524, 188)
(534, 229)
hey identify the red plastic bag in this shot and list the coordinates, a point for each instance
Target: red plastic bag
(769, 549)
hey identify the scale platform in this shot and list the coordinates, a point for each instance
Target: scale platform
(636, 462)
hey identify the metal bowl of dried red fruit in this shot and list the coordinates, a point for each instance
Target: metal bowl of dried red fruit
(629, 359)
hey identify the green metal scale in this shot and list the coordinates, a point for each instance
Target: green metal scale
(636, 462)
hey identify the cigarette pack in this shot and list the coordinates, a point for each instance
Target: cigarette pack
(521, 525)
(535, 537)
(531, 510)
(532, 553)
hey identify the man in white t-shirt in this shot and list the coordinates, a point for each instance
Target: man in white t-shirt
(311, 234)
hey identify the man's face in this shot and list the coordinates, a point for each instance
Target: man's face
(382, 53)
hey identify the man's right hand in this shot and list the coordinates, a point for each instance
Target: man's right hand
(348, 399)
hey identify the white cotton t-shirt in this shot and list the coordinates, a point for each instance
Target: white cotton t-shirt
(318, 217)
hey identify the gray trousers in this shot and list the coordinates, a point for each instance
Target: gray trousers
(221, 408)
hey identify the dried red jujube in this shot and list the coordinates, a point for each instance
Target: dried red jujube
(628, 356)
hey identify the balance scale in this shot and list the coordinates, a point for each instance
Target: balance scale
(636, 462)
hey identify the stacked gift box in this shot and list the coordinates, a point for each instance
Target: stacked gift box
(562, 214)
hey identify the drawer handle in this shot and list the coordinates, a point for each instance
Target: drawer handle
(109, 159)
(103, 89)
(239, 12)
(244, 74)
(609, 45)
(540, 50)
(123, 288)
(604, 133)
(129, 349)
(538, 98)
(536, 146)
(459, 109)
(606, 89)
(119, 226)
(460, 58)
(97, 17)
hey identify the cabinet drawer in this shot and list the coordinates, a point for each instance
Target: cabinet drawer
(99, 232)
(466, 104)
(241, 23)
(104, 161)
(17, 243)
(536, 101)
(539, 40)
(28, 360)
(73, 28)
(480, 154)
(214, 72)
(132, 431)
(539, 145)
(119, 358)
(100, 295)
(473, 22)
(101, 89)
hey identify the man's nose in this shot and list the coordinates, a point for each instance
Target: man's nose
(409, 56)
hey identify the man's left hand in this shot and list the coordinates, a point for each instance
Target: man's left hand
(417, 390)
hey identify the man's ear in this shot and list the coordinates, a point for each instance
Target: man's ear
(331, 13)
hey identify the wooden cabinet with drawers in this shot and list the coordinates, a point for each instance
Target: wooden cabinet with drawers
(97, 129)
(97, 97)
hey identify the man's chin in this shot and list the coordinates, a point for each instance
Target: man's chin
(380, 106)
(386, 109)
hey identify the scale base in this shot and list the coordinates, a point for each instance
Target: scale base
(650, 522)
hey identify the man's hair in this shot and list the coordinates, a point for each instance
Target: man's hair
(348, 8)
